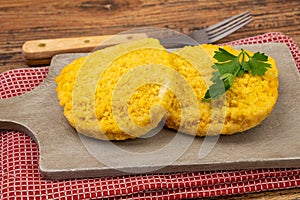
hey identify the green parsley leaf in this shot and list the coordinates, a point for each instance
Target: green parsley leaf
(258, 65)
(216, 90)
(246, 66)
(228, 77)
(222, 55)
(230, 66)
(260, 56)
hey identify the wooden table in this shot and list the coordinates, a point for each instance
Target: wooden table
(23, 20)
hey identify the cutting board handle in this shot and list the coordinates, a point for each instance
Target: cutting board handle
(17, 113)
(13, 116)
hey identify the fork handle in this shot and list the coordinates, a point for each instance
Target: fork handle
(47, 48)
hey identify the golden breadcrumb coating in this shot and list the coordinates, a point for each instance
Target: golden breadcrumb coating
(249, 101)
(65, 84)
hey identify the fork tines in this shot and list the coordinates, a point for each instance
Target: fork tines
(228, 26)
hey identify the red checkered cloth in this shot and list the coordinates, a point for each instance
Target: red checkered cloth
(20, 177)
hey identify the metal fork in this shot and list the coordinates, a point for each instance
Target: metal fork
(210, 34)
(37, 52)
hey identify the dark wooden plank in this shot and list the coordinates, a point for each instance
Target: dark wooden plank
(25, 20)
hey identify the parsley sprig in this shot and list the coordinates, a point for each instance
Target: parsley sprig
(230, 66)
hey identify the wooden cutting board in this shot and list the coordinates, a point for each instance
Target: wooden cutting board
(66, 154)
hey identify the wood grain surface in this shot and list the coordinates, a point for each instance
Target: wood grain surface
(23, 20)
